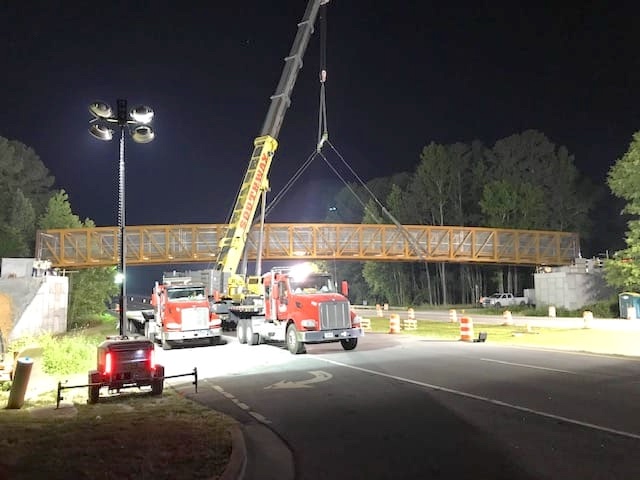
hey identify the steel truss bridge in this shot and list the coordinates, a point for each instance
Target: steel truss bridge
(167, 244)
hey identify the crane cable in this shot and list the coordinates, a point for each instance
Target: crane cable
(323, 132)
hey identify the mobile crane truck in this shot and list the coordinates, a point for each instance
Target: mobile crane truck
(299, 317)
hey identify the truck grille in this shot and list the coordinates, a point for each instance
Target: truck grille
(195, 318)
(334, 315)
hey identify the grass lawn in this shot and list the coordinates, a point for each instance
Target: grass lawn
(588, 340)
(133, 435)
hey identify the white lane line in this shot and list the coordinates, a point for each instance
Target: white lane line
(528, 366)
(259, 417)
(488, 400)
(612, 356)
(242, 405)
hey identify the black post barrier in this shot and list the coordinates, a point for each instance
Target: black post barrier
(59, 396)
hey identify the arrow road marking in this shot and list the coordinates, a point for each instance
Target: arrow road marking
(318, 376)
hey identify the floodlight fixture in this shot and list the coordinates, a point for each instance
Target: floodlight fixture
(141, 114)
(100, 110)
(101, 132)
(143, 134)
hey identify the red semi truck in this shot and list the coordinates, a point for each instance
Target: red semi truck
(301, 306)
(181, 314)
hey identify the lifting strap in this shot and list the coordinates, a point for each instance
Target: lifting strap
(323, 133)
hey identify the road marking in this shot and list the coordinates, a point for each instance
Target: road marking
(242, 405)
(527, 366)
(318, 376)
(613, 356)
(260, 418)
(487, 399)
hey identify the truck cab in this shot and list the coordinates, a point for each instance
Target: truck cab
(182, 314)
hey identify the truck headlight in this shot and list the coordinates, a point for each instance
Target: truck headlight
(308, 323)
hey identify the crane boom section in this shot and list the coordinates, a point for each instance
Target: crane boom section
(255, 180)
(265, 145)
(281, 99)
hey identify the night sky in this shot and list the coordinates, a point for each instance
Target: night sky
(400, 75)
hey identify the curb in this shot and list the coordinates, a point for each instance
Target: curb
(238, 461)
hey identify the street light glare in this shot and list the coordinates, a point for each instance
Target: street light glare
(142, 114)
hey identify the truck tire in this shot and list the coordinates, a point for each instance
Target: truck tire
(241, 332)
(294, 345)
(157, 384)
(522, 304)
(252, 337)
(94, 390)
(147, 332)
(349, 343)
(497, 305)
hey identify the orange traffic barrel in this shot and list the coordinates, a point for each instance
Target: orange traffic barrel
(394, 323)
(466, 329)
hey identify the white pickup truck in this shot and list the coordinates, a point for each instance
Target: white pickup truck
(498, 300)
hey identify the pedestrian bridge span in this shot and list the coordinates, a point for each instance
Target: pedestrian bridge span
(198, 243)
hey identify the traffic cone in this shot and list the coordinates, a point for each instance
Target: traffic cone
(394, 323)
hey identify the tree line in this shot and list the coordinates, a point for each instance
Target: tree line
(523, 181)
(29, 202)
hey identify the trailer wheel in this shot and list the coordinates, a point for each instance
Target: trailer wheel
(294, 345)
(349, 343)
(157, 384)
(94, 390)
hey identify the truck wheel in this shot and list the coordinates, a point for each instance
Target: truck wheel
(294, 345)
(94, 390)
(498, 305)
(349, 343)
(252, 337)
(157, 384)
(522, 304)
(241, 333)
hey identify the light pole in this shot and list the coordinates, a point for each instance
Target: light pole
(137, 123)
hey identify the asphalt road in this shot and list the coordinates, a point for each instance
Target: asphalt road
(402, 407)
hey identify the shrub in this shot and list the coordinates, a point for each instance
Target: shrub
(67, 355)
